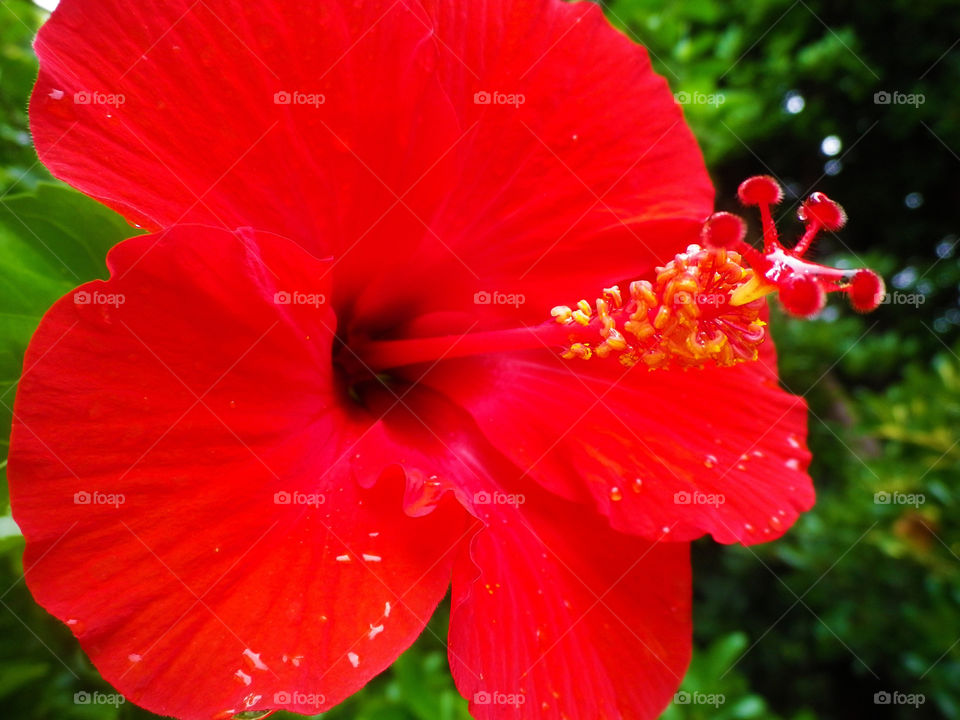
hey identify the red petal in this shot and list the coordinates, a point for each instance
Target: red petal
(400, 174)
(550, 605)
(556, 616)
(719, 451)
(592, 178)
(167, 111)
(163, 412)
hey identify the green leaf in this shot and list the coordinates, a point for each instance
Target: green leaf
(15, 675)
(51, 240)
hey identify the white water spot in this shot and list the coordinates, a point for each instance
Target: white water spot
(56, 94)
(72, 621)
(373, 534)
(250, 700)
(666, 529)
(295, 660)
(372, 558)
(374, 631)
(254, 659)
(710, 461)
(343, 558)
(793, 464)
(353, 658)
(386, 609)
(243, 677)
(748, 527)
(133, 657)
(793, 441)
(781, 513)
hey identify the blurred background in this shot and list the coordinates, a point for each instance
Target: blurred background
(856, 612)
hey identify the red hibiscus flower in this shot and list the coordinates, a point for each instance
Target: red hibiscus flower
(248, 465)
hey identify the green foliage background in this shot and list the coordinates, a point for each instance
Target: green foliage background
(861, 597)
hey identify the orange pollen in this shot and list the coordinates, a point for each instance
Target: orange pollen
(683, 319)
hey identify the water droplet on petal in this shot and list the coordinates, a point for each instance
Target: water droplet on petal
(636, 485)
(242, 677)
(249, 701)
(793, 464)
(616, 494)
(374, 631)
(710, 461)
(353, 658)
(793, 440)
(133, 657)
(253, 660)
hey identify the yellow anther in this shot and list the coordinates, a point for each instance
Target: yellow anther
(562, 314)
(581, 317)
(615, 341)
(642, 291)
(685, 318)
(581, 351)
(613, 295)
